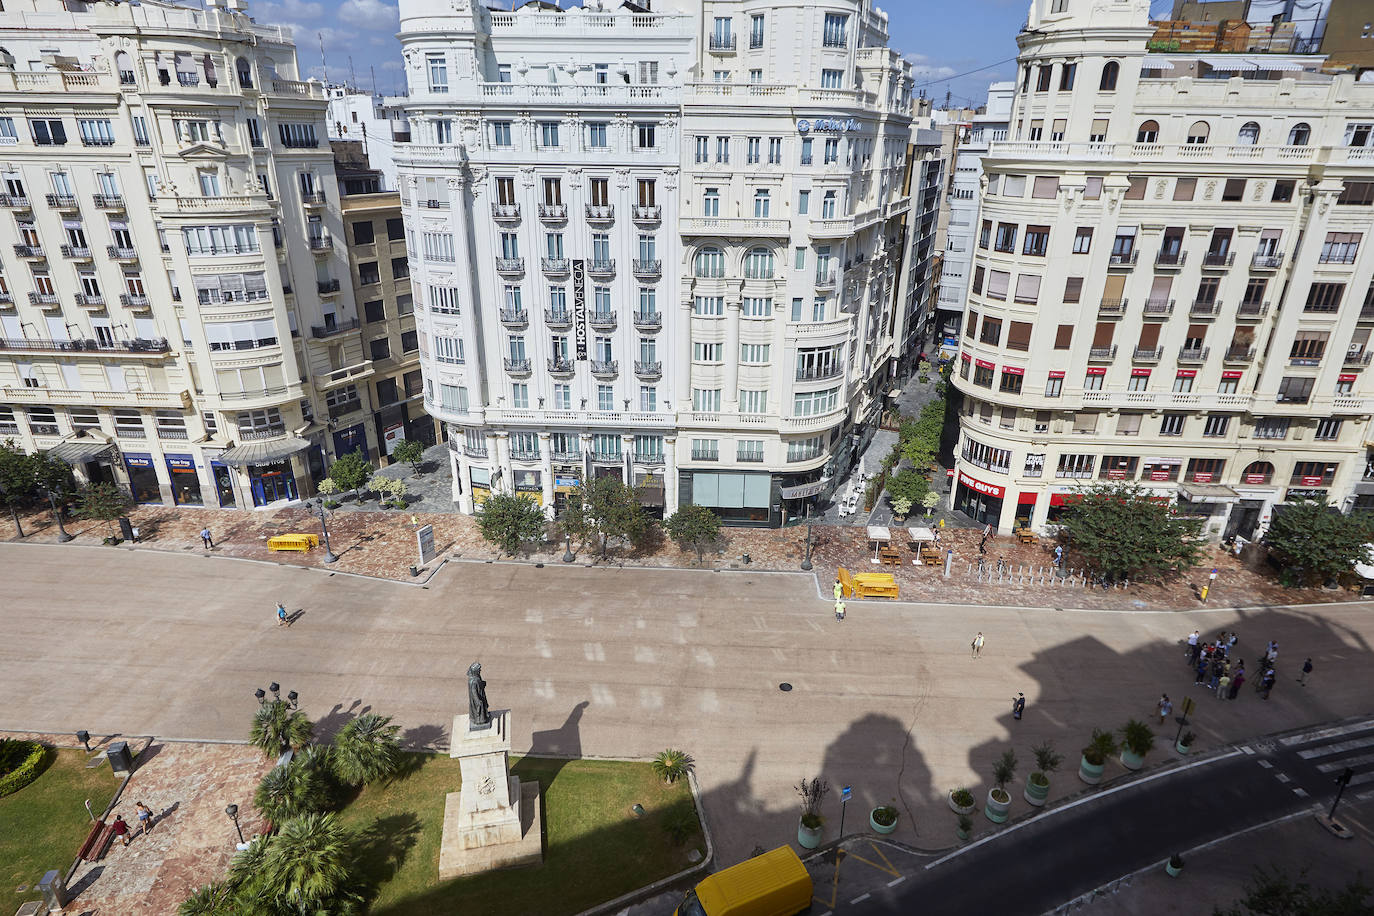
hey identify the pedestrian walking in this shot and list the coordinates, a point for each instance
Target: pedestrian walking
(145, 817)
(839, 590)
(282, 619)
(1201, 672)
(120, 829)
(1194, 646)
(983, 544)
(205, 538)
(1306, 670)
(978, 644)
(1166, 706)
(1223, 686)
(1058, 555)
(1236, 683)
(839, 609)
(1018, 706)
(1267, 683)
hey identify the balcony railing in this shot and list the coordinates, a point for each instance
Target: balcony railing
(560, 365)
(15, 202)
(515, 317)
(648, 369)
(319, 243)
(314, 198)
(1159, 306)
(320, 332)
(1147, 354)
(88, 301)
(553, 212)
(812, 373)
(826, 279)
(1204, 308)
(510, 265)
(602, 321)
(749, 456)
(648, 321)
(1267, 261)
(475, 451)
(554, 265)
(606, 457)
(36, 345)
(1239, 354)
(601, 268)
(649, 458)
(600, 213)
(1251, 311)
(75, 253)
(505, 211)
(1357, 359)
(723, 42)
(172, 433)
(1337, 257)
(62, 202)
(650, 267)
(1112, 307)
(109, 201)
(266, 432)
(29, 252)
(116, 253)
(705, 454)
(1123, 259)
(325, 287)
(646, 214)
(518, 366)
(1218, 259)
(43, 299)
(605, 368)
(558, 318)
(1193, 354)
(1171, 258)
(1102, 352)
(129, 300)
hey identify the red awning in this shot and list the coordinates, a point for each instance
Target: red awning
(1339, 378)
(1187, 373)
(1231, 374)
(1140, 373)
(1097, 370)
(965, 357)
(1056, 373)
(983, 364)
(1013, 370)
(1026, 499)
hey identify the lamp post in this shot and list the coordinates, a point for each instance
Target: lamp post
(85, 738)
(62, 535)
(261, 695)
(806, 560)
(567, 549)
(316, 506)
(233, 812)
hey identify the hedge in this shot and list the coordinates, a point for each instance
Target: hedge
(21, 762)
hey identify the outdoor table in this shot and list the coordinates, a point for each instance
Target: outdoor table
(919, 537)
(879, 536)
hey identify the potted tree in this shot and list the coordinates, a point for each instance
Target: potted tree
(1174, 865)
(883, 819)
(1047, 760)
(965, 826)
(1185, 743)
(812, 793)
(1137, 740)
(999, 799)
(961, 801)
(1095, 755)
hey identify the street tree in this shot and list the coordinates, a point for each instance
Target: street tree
(510, 521)
(1315, 542)
(17, 480)
(53, 475)
(309, 865)
(604, 512)
(905, 489)
(278, 728)
(295, 788)
(102, 502)
(366, 750)
(918, 440)
(1119, 530)
(409, 451)
(1273, 892)
(351, 471)
(694, 527)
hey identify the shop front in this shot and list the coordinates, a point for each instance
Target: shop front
(738, 497)
(268, 465)
(350, 440)
(480, 481)
(529, 484)
(185, 480)
(979, 500)
(566, 479)
(92, 458)
(272, 482)
(143, 482)
(649, 486)
(1025, 509)
(224, 484)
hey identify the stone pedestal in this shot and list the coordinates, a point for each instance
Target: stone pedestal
(493, 821)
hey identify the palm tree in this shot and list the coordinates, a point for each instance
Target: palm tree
(289, 791)
(308, 864)
(208, 900)
(246, 880)
(278, 728)
(366, 750)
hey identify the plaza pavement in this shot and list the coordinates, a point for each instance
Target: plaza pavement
(625, 662)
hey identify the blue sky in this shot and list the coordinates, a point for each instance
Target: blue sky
(944, 40)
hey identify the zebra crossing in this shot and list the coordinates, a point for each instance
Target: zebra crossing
(1310, 762)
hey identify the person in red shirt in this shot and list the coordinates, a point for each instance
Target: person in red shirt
(120, 829)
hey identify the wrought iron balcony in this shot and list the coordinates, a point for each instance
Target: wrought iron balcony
(560, 365)
(30, 252)
(1203, 308)
(602, 268)
(605, 368)
(116, 253)
(1171, 258)
(648, 321)
(62, 202)
(1252, 311)
(109, 201)
(1218, 259)
(515, 317)
(1112, 307)
(705, 454)
(1355, 358)
(1123, 258)
(558, 319)
(129, 300)
(826, 279)
(600, 213)
(314, 198)
(602, 321)
(75, 253)
(1158, 307)
(518, 366)
(723, 43)
(554, 213)
(652, 459)
(648, 369)
(44, 299)
(1147, 354)
(646, 214)
(1267, 261)
(510, 265)
(1102, 353)
(320, 332)
(320, 244)
(651, 267)
(325, 287)
(814, 373)
(749, 456)
(90, 302)
(15, 202)
(1193, 354)
(555, 266)
(1238, 354)
(505, 211)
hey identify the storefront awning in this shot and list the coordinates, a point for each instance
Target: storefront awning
(1203, 492)
(801, 491)
(80, 451)
(266, 452)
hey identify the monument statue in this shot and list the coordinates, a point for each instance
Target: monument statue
(478, 715)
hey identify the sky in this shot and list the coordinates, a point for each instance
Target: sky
(955, 46)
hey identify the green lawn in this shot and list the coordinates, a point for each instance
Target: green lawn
(45, 822)
(595, 849)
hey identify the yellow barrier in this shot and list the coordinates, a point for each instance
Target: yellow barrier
(300, 542)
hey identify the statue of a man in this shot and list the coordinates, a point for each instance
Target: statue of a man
(478, 716)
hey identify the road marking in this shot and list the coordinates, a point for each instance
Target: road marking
(1249, 750)
(1326, 750)
(1266, 764)
(602, 695)
(1318, 734)
(1282, 777)
(1342, 764)
(1364, 796)
(650, 698)
(645, 655)
(594, 651)
(896, 881)
(1362, 778)
(860, 899)
(705, 658)
(1300, 792)
(1087, 798)
(890, 869)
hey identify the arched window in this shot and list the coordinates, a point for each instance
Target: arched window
(124, 65)
(1110, 71)
(1300, 135)
(1148, 132)
(1249, 134)
(710, 262)
(211, 74)
(758, 264)
(1199, 132)
(1257, 472)
(244, 72)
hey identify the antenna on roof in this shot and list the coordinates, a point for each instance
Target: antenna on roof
(352, 77)
(323, 66)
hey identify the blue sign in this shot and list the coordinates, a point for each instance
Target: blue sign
(181, 463)
(845, 793)
(138, 460)
(829, 125)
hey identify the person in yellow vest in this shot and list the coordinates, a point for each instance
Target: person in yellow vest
(839, 609)
(839, 590)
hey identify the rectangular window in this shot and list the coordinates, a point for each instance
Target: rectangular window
(645, 136)
(1037, 241)
(1083, 240)
(438, 73)
(1027, 289)
(1340, 248)
(1357, 194)
(1073, 289)
(293, 135)
(596, 135)
(753, 401)
(1233, 190)
(836, 25)
(548, 134)
(1077, 466)
(500, 133)
(1324, 297)
(1054, 387)
(815, 403)
(1215, 425)
(1328, 428)
(706, 400)
(48, 131)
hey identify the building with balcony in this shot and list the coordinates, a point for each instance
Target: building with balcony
(1171, 283)
(161, 166)
(928, 159)
(376, 125)
(649, 243)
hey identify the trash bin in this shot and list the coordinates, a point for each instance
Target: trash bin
(126, 528)
(53, 890)
(121, 761)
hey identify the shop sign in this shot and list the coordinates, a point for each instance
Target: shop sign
(1116, 474)
(138, 461)
(1201, 477)
(392, 436)
(1311, 481)
(983, 364)
(579, 278)
(827, 125)
(1230, 374)
(1304, 493)
(1254, 478)
(987, 489)
(1056, 373)
(801, 491)
(1161, 475)
(1013, 370)
(183, 463)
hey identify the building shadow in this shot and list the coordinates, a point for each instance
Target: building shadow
(563, 743)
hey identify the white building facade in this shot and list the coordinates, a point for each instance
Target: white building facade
(656, 245)
(169, 276)
(1171, 280)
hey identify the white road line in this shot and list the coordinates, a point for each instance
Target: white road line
(859, 899)
(1281, 777)
(1364, 796)
(896, 881)
(1250, 750)
(1266, 764)
(1342, 764)
(1320, 733)
(1074, 804)
(1326, 750)
(1300, 792)
(1362, 778)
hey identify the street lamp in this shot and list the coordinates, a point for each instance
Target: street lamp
(85, 738)
(567, 549)
(806, 560)
(261, 695)
(316, 507)
(62, 535)
(233, 812)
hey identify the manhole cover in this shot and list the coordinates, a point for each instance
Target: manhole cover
(784, 687)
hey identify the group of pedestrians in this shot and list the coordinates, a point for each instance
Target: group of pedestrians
(1214, 667)
(120, 827)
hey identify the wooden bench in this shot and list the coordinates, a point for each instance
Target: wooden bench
(300, 542)
(867, 585)
(97, 842)
(890, 557)
(1025, 535)
(931, 555)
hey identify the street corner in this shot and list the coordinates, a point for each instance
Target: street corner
(853, 872)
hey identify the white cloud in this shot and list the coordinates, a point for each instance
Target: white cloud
(369, 14)
(392, 65)
(923, 70)
(274, 11)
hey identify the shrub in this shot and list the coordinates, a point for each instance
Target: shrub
(366, 750)
(961, 797)
(299, 787)
(21, 762)
(680, 821)
(812, 793)
(1047, 760)
(1138, 737)
(885, 815)
(1003, 769)
(409, 451)
(671, 765)
(351, 471)
(694, 527)
(1100, 747)
(509, 521)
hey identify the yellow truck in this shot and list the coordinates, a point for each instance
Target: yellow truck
(773, 884)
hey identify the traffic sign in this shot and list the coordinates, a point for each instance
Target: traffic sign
(846, 793)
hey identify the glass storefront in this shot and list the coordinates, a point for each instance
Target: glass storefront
(481, 485)
(143, 478)
(529, 485)
(350, 440)
(224, 484)
(185, 480)
(272, 482)
(739, 498)
(978, 500)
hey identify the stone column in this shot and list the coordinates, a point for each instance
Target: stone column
(669, 475)
(546, 457)
(501, 461)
